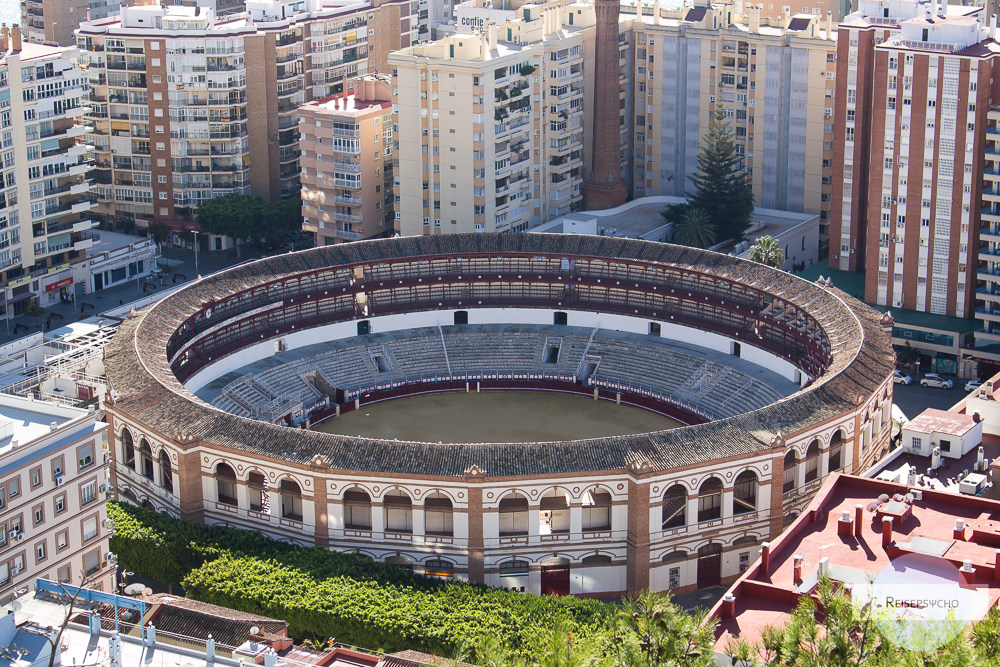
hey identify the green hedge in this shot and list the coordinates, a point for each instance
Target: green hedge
(325, 593)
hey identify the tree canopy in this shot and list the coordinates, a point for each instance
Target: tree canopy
(247, 217)
(694, 229)
(766, 250)
(722, 187)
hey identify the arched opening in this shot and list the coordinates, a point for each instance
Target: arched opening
(398, 512)
(128, 449)
(597, 559)
(710, 500)
(674, 507)
(146, 454)
(836, 452)
(554, 515)
(438, 518)
(674, 560)
(789, 484)
(437, 567)
(812, 462)
(128, 495)
(260, 500)
(514, 568)
(291, 500)
(745, 493)
(357, 509)
(400, 561)
(596, 510)
(225, 483)
(514, 515)
(166, 475)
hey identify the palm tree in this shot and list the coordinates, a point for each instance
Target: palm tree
(694, 229)
(767, 251)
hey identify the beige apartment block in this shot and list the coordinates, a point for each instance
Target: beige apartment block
(493, 125)
(774, 79)
(53, 495)
(52, 22)
(188, 106)
(347, 153)
(44, 205)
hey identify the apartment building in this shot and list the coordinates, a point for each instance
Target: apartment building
(187, 105)
(44, 205)
(493, 126)
(53, 21)
(773, 77)
(347, 153)
(914, 95)
(53, 494)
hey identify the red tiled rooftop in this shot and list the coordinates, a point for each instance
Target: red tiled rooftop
(767, 597)
(933, 420)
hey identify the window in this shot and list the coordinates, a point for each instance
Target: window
(36, 477)
(60, 503)
(398, 511)
(357, 510)
(514, 515)
(92, 563)
(710, 500)
(89, 528)
(291, 500)
(225, 480)
(259, 497)
(674, 507)
(13, 488)
(438, 514)
(88, 493)
(596, 510)
(745, 493)
(85, 456)
(812, 462)
(789, 480)
(38, 514)
(40, 552)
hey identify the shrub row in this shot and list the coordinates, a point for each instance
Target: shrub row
(324, 593)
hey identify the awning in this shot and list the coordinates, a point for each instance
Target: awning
(22, 297)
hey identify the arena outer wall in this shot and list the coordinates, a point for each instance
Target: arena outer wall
(494, 507)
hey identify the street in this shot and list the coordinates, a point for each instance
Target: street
(913, 399)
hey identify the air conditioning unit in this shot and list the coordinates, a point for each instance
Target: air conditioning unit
(15, 569)
(107, 523)
(19, 537)
(105, 488)
(12, 534)
(60, 480)
(110, 557)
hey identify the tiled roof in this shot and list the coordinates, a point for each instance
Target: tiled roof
(146, 389)
(191, 618)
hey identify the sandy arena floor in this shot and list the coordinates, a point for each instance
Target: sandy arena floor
(495, 416)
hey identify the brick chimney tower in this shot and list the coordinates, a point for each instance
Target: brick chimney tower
(606, 188)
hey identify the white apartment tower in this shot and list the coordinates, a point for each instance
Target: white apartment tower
(492, 124)
(44, 203)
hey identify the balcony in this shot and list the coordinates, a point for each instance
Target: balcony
(348, 235)
(348, 217)
(348, 201)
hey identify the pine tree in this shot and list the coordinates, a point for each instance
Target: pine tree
(722, 188)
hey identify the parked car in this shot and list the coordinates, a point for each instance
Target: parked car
(899, 377)
(972, 385)
(935, 380)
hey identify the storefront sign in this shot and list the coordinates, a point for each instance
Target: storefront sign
(59, 284)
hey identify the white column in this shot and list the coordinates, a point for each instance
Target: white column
(727, 503)
(419, 528)
(691, 511)
(575, 520)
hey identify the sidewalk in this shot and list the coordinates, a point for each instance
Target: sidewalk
(181, 263)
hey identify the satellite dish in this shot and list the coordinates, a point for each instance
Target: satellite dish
(255, 630)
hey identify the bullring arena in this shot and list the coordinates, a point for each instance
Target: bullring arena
(748, 387)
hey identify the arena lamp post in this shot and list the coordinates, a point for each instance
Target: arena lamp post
(195, 232)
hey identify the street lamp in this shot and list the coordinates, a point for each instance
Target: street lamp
(195, 232)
